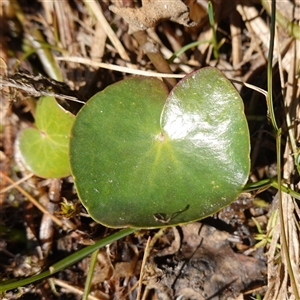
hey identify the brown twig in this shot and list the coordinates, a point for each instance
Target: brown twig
(155, 56)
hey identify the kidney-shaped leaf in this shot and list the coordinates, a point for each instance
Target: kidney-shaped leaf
(44, 150)
(141, 161)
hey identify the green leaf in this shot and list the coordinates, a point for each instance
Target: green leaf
(45, 150)
(141, 161)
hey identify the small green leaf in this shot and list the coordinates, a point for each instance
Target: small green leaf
(44, 150)
(141, 161)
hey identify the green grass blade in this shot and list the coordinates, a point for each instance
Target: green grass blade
(66, 262)
(212, 25)
(88, 281)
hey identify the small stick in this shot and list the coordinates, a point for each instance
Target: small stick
(146, 254)
(33, 201)
(6, 189)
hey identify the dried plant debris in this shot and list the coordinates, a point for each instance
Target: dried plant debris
(152, 13)
(38, 85)
(205, 267)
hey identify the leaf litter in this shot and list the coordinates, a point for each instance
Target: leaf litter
(212, 259)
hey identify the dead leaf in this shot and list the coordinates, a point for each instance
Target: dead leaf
(206, 267)
(152, 12)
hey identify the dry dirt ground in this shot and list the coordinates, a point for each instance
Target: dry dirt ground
(81, 44)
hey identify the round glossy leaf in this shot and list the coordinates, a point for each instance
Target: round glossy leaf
(45, 150)
(141, 161)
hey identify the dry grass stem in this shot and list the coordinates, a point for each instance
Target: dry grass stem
(71, 289)
(15, 184)
(33, 201)
(127, 70)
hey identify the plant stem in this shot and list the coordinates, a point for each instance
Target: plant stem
(88, 281)
(278, 147)
(212, 25)
(282, 221)
(266, 183)
(155, 56)
(291, 27)
(269, 70)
